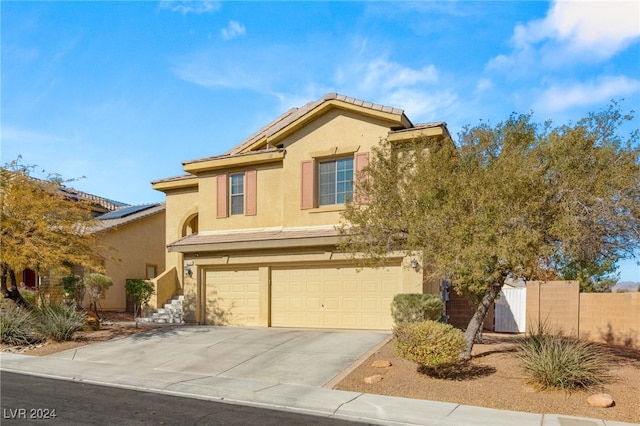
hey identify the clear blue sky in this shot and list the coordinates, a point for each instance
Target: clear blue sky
(123, 92)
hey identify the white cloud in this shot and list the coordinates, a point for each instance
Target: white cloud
(384, 75)
(14, 135)
(483, 85)
(233, 30)
(423, 105)
(562, 97)
(190, 6)
(598, 28)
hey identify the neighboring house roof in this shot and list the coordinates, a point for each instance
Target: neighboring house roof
(104, 203)
(127, 214)
(256, 239)
(99, 204)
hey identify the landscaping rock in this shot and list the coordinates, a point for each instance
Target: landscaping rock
(601, 400)
(373, 379)
(381, 364)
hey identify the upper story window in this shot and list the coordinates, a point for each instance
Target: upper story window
(335, 181)
(236, 193)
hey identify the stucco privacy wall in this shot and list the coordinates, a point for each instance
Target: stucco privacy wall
(604, 317)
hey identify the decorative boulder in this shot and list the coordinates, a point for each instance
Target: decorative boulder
(373, 379)
(381, 364)
(601, 400)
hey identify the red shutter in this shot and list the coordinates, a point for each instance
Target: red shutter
(222, 196)
(307, 172)
(251, 192)
(362, 161)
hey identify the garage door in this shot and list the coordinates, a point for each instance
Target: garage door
(334, 297)
(231, 297)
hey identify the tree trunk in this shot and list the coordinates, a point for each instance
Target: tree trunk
(475, 324)
(11, 291)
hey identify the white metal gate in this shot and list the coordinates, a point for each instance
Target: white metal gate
(511, 310)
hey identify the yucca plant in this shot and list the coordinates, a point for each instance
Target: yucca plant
(17, 328)
(552, 361)
(58, 321)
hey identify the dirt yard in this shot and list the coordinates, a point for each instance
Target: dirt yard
(494, 379)
(115, 325)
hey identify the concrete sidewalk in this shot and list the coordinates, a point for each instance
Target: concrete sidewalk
(279, 368)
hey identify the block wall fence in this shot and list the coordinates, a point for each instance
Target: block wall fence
(612, 318)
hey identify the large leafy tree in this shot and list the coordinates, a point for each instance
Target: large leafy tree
(513, 200)
(42, 228)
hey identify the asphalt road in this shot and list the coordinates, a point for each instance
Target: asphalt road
(28, 400)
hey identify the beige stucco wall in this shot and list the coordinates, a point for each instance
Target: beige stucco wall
(181, 206)
(134, 246)
(279, 183)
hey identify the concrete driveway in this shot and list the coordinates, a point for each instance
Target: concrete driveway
(310, 357)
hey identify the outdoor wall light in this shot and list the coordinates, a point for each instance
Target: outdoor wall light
(187, 271)
(414, 264)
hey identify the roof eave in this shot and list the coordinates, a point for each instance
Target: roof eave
(231, 161)
(439, 130)
(169, 185)
(254, 245)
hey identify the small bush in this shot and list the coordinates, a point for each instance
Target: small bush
(58, 321)
(96, 284)
(416, 307)
(73, 289)
(140, 291)
(29, 296)
(17, 328)
(433, 345)
(560, 362)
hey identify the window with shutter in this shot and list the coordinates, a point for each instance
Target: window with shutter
(237, 194)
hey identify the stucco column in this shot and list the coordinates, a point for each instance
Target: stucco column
(264, 291)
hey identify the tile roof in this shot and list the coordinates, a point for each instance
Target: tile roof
(173, 179)
(294, 114)
(253, 236)
(421, 126)
(142, 212)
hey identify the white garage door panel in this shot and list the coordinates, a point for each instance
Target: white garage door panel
(232, 297)
(334, 297)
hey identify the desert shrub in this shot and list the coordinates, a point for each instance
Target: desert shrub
(140, 291)
(416, 307)
(96, 284)
(17, 327)
(58, 321)
(29, 296)
(73, 289)
(433, 345)
(552, 361)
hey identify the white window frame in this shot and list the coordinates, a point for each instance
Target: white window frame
(342, 190)
(236, 192)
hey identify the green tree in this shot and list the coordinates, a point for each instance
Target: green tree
(41, 228)
(96, 284)
(141, 292)
(514, 200)
(598, 276)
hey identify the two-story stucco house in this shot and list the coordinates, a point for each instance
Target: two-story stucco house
(251, 233)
